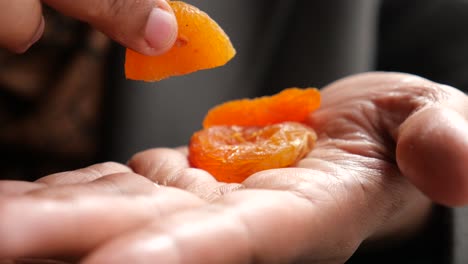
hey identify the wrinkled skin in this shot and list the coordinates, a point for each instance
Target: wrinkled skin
(386, 144)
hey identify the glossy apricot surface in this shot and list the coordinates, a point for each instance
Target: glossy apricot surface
(232, 153)
(201, 44)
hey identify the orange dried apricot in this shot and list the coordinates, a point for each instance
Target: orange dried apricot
(292, 104)
(245, 136)
(232, 153)
(201, 44)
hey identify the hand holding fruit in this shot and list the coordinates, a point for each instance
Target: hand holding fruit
(375, 131)
(147, 26)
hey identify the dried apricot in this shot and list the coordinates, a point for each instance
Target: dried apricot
(292, 104)
(241, 137)
(201, 44)
(232, 153)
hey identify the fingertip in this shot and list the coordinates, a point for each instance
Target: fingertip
(22, 24)
(432, 152)
(35, 38)
(160, 31)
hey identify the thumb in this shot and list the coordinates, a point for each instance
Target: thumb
(146, 26)
(432, 147)
(21, 24)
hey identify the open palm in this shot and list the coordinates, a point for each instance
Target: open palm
(379, 136)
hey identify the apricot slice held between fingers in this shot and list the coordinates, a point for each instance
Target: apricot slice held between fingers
(201, 44)
(232, 153)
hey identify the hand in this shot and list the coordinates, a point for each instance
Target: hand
(376, 132)
(348, 190)
(69, 214)
(147, 26)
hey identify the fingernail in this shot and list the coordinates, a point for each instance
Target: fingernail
(161, 30)
(39, 32)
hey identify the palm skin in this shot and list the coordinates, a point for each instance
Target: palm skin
(376, 134)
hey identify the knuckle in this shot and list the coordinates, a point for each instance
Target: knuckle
(116, 7)
(429, 93)
(109, 10)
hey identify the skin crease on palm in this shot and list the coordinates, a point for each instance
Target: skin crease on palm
(379, 136)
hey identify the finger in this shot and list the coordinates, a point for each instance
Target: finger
(161, 165)
(84, 175)
(170, 167)
(183, 149)
(432, 152)
(21, 24)
(76, 225)
(425, 120)
(244, 227)
(147, 26)
(18, 187)
(33, 261)
(114, 184)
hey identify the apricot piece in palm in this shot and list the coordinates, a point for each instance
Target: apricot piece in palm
(232, 153)
(201, 44)
(292, 104)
